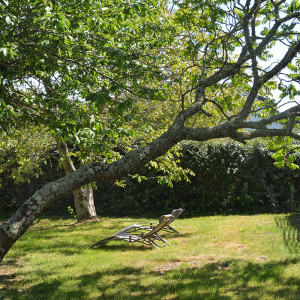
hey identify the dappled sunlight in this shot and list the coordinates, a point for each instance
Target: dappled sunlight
(290, 226)
(215, 280)
(234, 257)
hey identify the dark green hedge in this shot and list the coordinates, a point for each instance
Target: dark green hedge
(230, 179)
(12, 195)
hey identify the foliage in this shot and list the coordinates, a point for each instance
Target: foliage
(168, 169)
(81, 75)
(23, 151)
(101, 75)
(13, 194)
(228, 178)
(238, 178)
(286, 152)
(71, 212)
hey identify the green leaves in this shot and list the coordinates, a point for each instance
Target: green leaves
(285, 152)
(66, 61)
(23, 151)
(100, 98)
(4, 2)
(99, 73)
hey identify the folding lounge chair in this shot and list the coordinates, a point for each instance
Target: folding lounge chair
(175, 214)
(139, 233)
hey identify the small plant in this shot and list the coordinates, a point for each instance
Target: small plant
(71, 212)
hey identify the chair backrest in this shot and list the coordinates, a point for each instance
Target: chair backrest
(175, 214)
(163, 221)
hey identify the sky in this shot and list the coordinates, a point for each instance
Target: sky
(278, 51)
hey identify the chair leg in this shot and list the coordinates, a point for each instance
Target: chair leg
(151, 241)
(172, 230)
(158, 237)
(102, 242)
(162, 239)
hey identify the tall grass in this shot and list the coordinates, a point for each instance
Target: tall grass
(232, 257)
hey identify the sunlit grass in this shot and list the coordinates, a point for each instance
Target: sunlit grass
(232, 257)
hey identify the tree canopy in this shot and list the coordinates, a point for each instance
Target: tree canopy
(84, 69)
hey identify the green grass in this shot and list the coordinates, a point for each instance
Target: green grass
(221, 257)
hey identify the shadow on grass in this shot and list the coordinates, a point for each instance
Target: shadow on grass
(48, 226)
(217, 280)
(49, 244)
(7, 275)
(123, 247)
(290, 226)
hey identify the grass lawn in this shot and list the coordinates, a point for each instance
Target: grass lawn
(219, 257)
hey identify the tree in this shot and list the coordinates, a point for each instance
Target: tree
(48, 84)
(223, 46)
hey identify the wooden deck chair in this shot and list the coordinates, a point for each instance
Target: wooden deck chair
(139, 233)
(175, 214)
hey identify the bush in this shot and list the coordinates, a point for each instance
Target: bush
(229, 179)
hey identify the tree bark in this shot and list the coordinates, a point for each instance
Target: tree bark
(83, 196)
(84, 204)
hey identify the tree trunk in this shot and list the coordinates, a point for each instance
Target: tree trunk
(83, 197)
(23, 218)
(84, 204)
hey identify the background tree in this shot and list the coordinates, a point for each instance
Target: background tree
(23, 152)
(225, 43)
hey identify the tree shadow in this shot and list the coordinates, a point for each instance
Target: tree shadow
(124, 246)
(217, 280)
(290, 226)
(177, 236)
(7, 275)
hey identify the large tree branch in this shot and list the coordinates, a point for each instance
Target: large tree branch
(288, 114)
(263, 133)
(288, 57)
(15, 226)
(229, 69)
